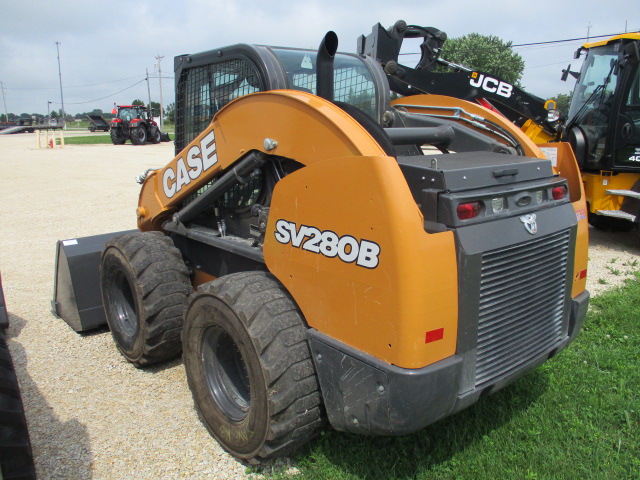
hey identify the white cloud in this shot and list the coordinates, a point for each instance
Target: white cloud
(112, 43)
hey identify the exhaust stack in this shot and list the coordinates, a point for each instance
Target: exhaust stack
(324, 65)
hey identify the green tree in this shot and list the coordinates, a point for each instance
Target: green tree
(155, 108)
(486, 53)
(170, 112)
(563, 100)
(137, 101)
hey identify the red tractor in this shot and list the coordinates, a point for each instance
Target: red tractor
(132, 122)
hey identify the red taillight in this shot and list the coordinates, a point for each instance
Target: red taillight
(558, 193)
(468, 210)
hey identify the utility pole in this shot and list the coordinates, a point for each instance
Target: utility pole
(6, 114)
(588, 31)
(159, 58)
(60, 75)
(149, 92)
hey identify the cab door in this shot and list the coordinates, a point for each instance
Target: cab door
(626, 147)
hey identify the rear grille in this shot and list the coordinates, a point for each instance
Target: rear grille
(522, 293)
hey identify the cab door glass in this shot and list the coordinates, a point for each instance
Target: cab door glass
(627, 152)
(592, 104)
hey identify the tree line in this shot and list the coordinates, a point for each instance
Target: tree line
(169, 113)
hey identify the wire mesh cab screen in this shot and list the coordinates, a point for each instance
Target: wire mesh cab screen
(352, 81)
(205, 89)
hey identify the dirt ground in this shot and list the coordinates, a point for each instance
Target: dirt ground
(91, 414)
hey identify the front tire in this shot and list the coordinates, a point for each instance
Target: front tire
(139, 136)
(249, 367)
(145, 287)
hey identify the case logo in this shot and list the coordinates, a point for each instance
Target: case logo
(199, 159)
(347, 248)
(530, 224)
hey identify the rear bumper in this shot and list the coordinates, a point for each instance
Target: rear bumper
(365, 395)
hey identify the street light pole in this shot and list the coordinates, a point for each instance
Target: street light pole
(6, 114)
(159, 58)
(149, 93)
(60, 75)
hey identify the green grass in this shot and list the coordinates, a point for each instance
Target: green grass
(575, 417)
(85, 140)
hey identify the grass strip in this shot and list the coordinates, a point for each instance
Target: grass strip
(85, 140)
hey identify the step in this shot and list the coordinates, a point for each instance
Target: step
(624, 193)
(617, 214)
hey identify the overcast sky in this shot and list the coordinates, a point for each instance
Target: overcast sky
(106, 47)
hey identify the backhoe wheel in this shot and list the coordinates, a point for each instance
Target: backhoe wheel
(155, 137)
(145, 289)
(117, 137)
(249, 368)
(602, 222)
(139, 136)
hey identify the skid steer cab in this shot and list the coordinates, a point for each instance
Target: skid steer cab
(132, 122)
(320, 254)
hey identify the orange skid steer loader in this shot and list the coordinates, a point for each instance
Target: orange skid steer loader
(318, 254)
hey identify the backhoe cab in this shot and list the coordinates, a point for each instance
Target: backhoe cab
(320, 253)
(604, 129)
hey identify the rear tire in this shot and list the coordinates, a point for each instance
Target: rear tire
(117, 137)
(249, 367)
(16, 458)
(155, 138)
(145, 287)
(139, 136)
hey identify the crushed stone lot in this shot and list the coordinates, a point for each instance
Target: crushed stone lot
(91, 414)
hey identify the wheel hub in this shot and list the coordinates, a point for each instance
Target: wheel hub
(226, 373)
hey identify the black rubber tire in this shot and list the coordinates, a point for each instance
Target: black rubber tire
(155, 137)
(145, 289)
(117, 137)
(371, 126)
(612, 224)
(139, 135)
(16, 458)
(249, 367)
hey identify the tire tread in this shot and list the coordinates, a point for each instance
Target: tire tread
(163, 279)
(278, 332)
(16, 457)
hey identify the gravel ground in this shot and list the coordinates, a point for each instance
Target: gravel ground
(91, 414)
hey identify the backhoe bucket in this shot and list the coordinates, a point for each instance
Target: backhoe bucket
(76, 290)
